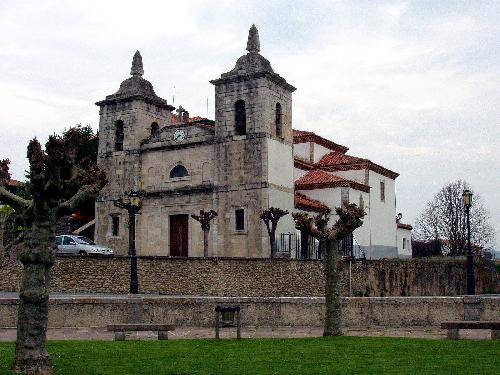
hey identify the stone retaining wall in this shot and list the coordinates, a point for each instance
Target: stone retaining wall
(98, 311)
(255, 277)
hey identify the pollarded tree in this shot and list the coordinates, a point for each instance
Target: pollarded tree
(59, 181)
(204, 218)
(5, 212)
(444, 218)
(271, 217)
(350, 218)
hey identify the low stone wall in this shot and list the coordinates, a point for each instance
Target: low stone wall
(237, 277)
(98, 311)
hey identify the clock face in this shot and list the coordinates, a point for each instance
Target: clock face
(179, 135)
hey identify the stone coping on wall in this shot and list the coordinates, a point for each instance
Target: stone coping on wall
(148, 298)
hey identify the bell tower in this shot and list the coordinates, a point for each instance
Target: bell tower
(126, 118)
(253, 130)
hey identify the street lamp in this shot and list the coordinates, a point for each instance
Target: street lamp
(132, 205)
(471, 284)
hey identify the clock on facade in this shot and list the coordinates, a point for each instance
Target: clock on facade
(179, 135)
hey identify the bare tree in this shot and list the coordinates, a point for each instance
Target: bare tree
(350, 218)
(271, 217)
(58, 181)
(444, 219)
(204, 218)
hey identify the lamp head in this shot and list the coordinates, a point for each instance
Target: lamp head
(467, 196)
(135, 200)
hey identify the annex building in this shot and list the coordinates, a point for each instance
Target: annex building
(247, 160)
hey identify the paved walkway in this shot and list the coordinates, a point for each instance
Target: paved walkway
(100, 333)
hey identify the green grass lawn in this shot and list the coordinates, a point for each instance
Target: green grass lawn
(340, 355)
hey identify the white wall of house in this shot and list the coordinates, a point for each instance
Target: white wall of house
(319, 152)
(280, 163)
(357, 175)
(382, 217)
(404, 242)
(302, 150)
(298, 173)
(281, 177)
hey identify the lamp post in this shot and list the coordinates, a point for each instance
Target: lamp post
(132, 205)
(471, 284)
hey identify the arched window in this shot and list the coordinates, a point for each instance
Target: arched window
(154, 129)
(279, 130)
(119, 135)
(179, 171)
(240, 118)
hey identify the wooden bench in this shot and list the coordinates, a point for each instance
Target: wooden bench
(120, 329)
(454, 326)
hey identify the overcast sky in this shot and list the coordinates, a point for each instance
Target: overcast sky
(411, 85)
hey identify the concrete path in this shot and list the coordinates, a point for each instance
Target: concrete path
(100, 333)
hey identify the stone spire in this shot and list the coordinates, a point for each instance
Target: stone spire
(137, 69)
(253, 44)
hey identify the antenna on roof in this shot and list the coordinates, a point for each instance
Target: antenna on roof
(173, 96)
(207, 106)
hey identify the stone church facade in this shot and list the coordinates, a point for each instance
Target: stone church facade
(244, 162)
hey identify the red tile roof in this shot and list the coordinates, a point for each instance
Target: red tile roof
(335, 161)
(404, 226)
(318, 179)
(305, 203)
(302, 164)
(195, 121)
(301, 136)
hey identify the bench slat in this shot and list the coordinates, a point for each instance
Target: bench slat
(139, 327)
(494, 325)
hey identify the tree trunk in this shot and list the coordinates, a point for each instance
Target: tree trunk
(333, 300)
(205, 242)
(272, 241)
(2, 229)
(31, 351)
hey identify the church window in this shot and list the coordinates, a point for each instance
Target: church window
(119, 135)
(279, 130)
(240, 118)
(179, 171)
(154, 129)
(240, 218)
(382, 191)
(361, 202)
(404, 243)
(115, 226)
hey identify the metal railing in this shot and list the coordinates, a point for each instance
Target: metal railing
(302, 246)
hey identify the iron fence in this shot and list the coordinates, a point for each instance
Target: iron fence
(302, 246)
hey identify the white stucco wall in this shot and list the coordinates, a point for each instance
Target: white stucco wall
(357, 175)
(319, 152)
(302, 150)
(382, 216)
(280, 163)
(404, 234)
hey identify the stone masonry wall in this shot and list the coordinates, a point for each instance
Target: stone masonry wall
(98, 311)
(241, 277)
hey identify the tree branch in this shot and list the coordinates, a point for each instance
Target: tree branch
(13, 198)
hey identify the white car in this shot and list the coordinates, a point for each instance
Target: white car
(79, 245)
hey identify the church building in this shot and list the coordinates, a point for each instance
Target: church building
(247, 160)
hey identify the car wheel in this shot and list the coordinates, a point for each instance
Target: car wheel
(82, 252)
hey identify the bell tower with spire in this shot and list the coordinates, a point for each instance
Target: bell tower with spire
(253, 131)
(126, 119)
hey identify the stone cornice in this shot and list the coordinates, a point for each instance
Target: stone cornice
(276, 78)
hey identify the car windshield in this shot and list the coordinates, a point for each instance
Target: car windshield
(84, 240)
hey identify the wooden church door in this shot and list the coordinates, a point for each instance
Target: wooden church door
(179, 235)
